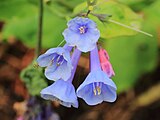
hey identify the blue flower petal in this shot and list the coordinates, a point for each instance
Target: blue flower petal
(87, 43)
(72, 26)
(61, 91)
(110, 95)
(57, 50)
(55, 72)
(45, 59)
(67, 57)
(83, 33)
(92, 25)
(93, 35)
(108, 88)
(71, 37)
(82, 21)
(85, 46)
(58, 63)
(87, 94)
(61, 50)
(100, 76)
(52, 50)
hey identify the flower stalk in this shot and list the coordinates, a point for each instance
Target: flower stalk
(75, 58)
(40, 24)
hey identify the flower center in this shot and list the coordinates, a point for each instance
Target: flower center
(82, 29)
(97, 88)
(58, 59)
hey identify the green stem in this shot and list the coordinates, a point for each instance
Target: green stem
(91, 2)
(130, 27)
(40, 24)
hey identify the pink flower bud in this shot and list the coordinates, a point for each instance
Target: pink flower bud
(105, 64)
(103, 55)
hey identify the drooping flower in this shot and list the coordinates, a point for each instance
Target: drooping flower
(105, 64)
(83, 33)
(56, 60)
(97, 87)
(61, 91)
(64, 91)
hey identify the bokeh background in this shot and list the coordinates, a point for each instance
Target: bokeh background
(135, 58)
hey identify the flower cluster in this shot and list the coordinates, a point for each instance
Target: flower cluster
(81, 36)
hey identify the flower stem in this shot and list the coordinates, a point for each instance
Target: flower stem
(69, 48)
(61, 43)
(94, 60)
(75, 58)
(90, 4)
(129, 27)
(40, 24)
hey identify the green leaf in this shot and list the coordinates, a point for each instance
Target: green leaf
(26, 29)
(134, 56)
(33, 79)
(137, 5)
(74, 2)
(16, 8)
(152, 14)
(52, 30)
(129, 2)
(131, 57)
(23, 24)
(119, 12)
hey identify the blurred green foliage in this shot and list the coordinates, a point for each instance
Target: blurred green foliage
(137, 5)
(34, 79)
(131, 54)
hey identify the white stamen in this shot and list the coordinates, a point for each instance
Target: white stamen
(97, 88)
(94, 89)
(82, 29)
(58, 58)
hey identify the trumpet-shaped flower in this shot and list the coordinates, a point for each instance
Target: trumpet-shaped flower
(97, 87)
(105, 64)
(83, 33)
(57, 62)
(63, 91)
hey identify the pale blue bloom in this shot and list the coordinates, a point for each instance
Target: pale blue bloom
(63, 91)
(57, 62)
(97, 87)
(83, 33)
